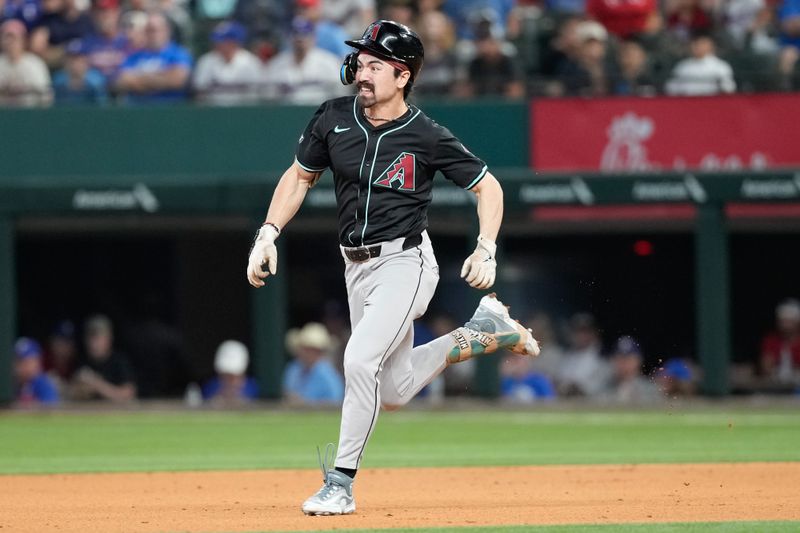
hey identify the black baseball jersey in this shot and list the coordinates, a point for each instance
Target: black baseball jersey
(383, 175)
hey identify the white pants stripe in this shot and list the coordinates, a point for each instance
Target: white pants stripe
(385, 295)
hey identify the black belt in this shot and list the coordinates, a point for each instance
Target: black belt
(365, 253)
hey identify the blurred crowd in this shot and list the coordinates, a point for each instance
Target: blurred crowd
(75, 366)
(240, 52)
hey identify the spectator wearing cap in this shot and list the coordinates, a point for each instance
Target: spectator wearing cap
(585, 74)
(582, 370)
(107, 47)
(62, 21)
(62, 353)
(703, 73)
(521, 384)
(677, 377)
(229, 74)
(305, 73)
(159, 73)
(231, 386)
(780, 349)
(33, 386)
(494, 70)
(106, 374)
(330, 35)
(77, 83)
(310, 378)
(626, 18)
(24, 78)
(629, 384)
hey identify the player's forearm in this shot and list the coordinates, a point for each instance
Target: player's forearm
(490, 206)
(288, 197)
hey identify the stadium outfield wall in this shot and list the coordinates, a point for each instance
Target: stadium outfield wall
(79, 163)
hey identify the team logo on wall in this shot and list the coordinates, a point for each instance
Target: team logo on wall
(400, 174)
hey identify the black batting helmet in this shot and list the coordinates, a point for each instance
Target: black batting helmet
(390, 40)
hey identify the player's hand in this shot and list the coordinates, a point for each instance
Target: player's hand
(263, 251)
(480, 267)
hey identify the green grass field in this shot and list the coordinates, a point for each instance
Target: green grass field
(62, 442)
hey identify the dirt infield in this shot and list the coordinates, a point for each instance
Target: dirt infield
(270, 499)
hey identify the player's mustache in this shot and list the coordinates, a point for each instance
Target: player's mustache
(366, 85)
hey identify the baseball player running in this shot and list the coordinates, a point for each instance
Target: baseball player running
(384, 153)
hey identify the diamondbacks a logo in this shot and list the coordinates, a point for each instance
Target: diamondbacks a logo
(400, 174)
(375, 29)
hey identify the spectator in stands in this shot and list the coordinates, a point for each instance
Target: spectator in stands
(780, 349)
(106, 373)
(77, 83)
(310, 378)
(677, 377)
(24, 78)
(330, 35)
(632, 75)
(231, 386)
(789, 22)
(583, 371)
(266, 22)
(132, 25)
(107, 46)
(703, 73)
(747, 24)
(33, 387)
(492, 72)
(229, 74)
(303, 74)
(686, 18)
(563, 48)
(62, 21)
(552, 351)
(159, 73)
(626, 18)
(585, 75)
(402, 11)
(61, 357)
(27, 11)
(521, 384)
(464, 13)
(629, 385)
(352, 15)
(438, 34)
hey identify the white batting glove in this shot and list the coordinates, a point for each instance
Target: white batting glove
(479, 268)
(263, 251)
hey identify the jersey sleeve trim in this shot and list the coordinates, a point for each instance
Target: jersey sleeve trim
(479, 178)
(308, 169)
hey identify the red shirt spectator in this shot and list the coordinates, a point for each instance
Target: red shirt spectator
(686, 17)
(624, 17)
(780, 350)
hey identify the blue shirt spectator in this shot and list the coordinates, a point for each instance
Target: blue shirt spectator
(107, 47)
(158, 73)
(790, 9)
(78, 84)
(527, 389)
(311, 378)
(466, 13)
(231, 386)
(27, 11)
(33, 386)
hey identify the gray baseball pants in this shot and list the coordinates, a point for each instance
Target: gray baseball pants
(381, 366)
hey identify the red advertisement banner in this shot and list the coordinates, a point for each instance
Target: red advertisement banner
(641, 134)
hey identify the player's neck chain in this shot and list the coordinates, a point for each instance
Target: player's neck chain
(380, 119)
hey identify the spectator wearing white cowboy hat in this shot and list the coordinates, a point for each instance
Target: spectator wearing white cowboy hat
(310, 378)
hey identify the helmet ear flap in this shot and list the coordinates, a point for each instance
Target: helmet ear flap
(349, 67)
